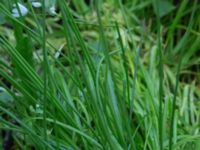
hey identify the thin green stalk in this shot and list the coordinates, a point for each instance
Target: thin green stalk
(174, 105)
(160, 53)
(136, 62)
(45, 65)
(178, 76)
(113, 102)
(127, 89)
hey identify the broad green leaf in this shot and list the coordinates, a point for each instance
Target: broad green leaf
(164, 7)
(2, 18)
(5, 97)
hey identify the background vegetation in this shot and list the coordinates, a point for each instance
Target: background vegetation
(113, 74)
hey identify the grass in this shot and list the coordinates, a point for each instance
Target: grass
(104, 75)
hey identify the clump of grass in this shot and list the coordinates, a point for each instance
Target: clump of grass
(108, 75)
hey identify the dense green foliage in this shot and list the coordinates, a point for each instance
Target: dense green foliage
(112, 74)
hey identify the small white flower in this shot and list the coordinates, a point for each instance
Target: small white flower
(52, 10)
(36, 4)
(22, 9)
(58, 53)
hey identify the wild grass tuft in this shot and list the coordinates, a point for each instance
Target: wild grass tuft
(100, 75)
